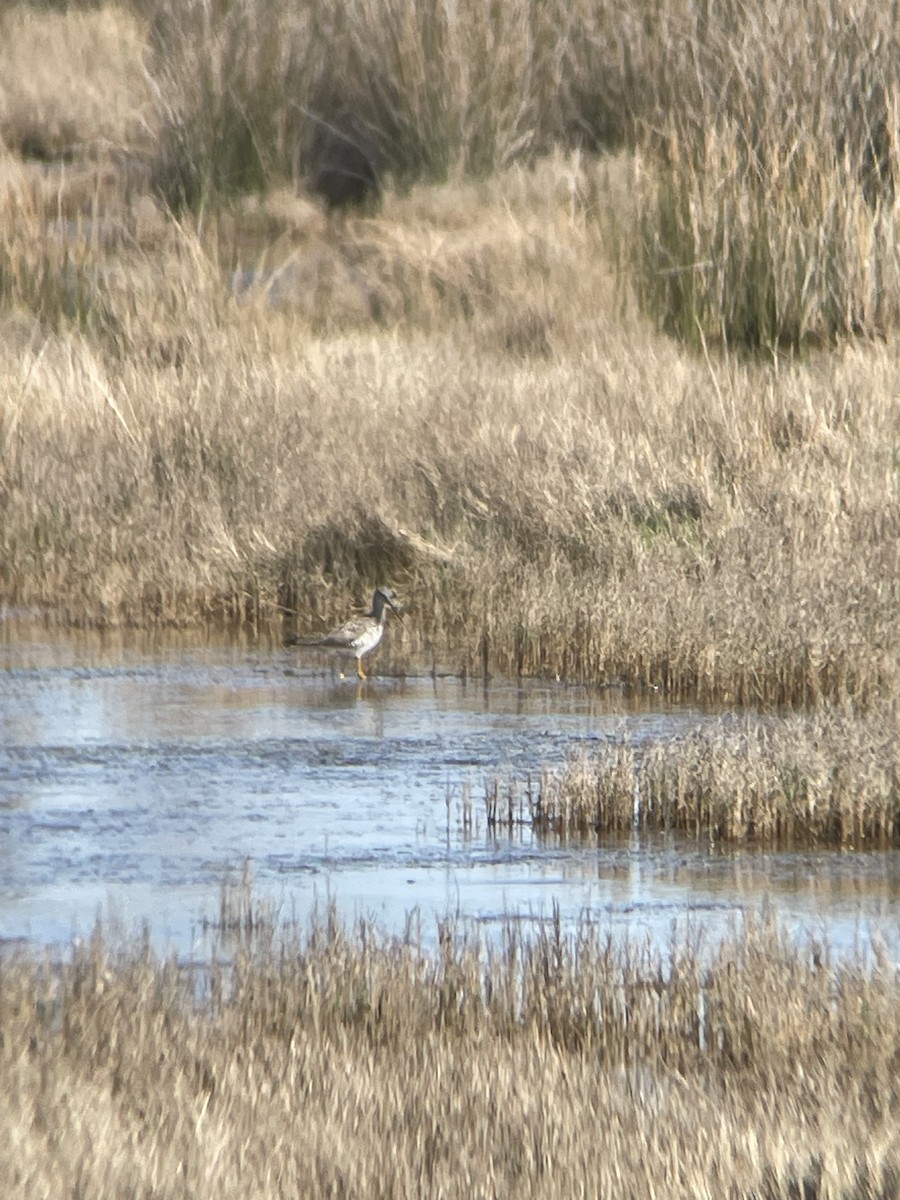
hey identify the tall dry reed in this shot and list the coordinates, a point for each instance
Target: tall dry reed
(769, 214)
(440, 88)
(344, 1063)
(829, 779)
(770, 132)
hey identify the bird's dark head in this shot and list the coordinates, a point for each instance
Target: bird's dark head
(384, 597)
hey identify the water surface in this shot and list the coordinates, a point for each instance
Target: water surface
(137, 774)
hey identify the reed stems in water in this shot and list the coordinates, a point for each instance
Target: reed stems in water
(827, 779)
(541, 1063)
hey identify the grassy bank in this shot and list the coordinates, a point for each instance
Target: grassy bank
(341, 1063)
(244, 411)
(770, 132)
(446, 399)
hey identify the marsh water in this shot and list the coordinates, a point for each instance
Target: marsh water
(137, 775)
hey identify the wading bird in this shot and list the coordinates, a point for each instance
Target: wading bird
(358, 636)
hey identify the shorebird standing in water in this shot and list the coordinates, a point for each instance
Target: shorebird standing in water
(358, 636)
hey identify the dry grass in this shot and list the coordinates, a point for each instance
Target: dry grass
(440, 88)
(771, 136)
(72, 83)
(827, 779)
(771, 216)
(260, 412)
(459, 398)
(447, 399)
(344, 1064)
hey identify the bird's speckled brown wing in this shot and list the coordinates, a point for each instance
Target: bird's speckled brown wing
(348, 635)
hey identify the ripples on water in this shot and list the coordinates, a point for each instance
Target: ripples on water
(136, 775)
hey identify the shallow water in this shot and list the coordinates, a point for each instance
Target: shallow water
(135, 775)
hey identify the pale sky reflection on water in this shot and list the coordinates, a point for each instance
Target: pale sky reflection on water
(137, 773)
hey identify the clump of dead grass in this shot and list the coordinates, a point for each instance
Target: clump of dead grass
(828, 779)
(438, 89)
(343, 1060)
(73, 83)
(769, 211)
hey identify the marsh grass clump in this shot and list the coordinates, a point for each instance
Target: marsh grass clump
(246, 97)
(592, 796)
(341, 1058)
(768, 215)
(244, 91)
(831, 780)
(74, 85)
(222, 78)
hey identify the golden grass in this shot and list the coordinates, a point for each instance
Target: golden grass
(771, 216)
(459, 398)
(261, 413)
(338, 1063)
(73, 82)
(831, 779)
(441, 88)
(768, 205)
(446, 399)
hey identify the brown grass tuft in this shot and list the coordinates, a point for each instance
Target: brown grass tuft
(73, 82)
(828, 779)
(769, 213)
(338, 1061)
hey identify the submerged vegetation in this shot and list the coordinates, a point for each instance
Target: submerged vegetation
(338, 1063)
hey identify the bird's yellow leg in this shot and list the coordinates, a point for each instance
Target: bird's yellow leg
(359, 669)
